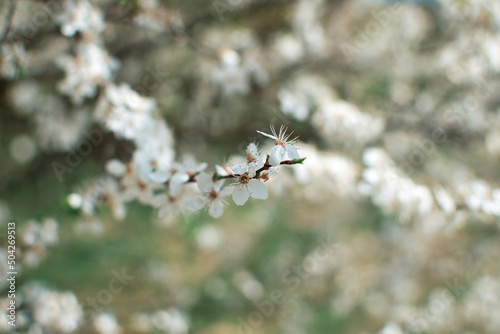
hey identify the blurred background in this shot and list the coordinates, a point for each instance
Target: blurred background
(389, 226)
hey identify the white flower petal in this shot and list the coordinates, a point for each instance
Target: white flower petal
(180, 177)
(116, 167)
(198, 203)
(159, 200)
(221, 170)
(239, 168)
(205, 182)
(226, 191)
(253, 151)
(216, 209)
(177, 182)
(252, 169)
(276, 155)
(159, 176)
(201, 167)
(217, 185)
(240, 195)
(258, 190)
(267, 135)
(292, 152)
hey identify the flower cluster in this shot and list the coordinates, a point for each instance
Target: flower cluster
(166, 188)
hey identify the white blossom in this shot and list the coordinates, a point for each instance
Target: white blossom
(57, 311)
(214, 197)
(282, 145)
(80, 16)
(92, 66)
(247, 186)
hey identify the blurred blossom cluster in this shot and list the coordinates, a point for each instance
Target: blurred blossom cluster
(154, 116)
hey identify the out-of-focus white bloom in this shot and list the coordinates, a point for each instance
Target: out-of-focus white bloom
(209, 237)
(22, 149)
(342, 122)
(479, 196)
(104, 190)
(171, 320)
(289, 47)
(214, 197)
(116, 168)
(324, 175)
(110, 193)
(106, 323)
(391, 328)
(80, 16)
(306, 23)
(179, 174)
(304, 95)
(12, 59)
(248, 285)
(36, 237)
(282, 145)
(75, 200)
(57, 129)
(48, 234)
(247, 186)
(22, 96)
(491, 47)
(390, 189)
(230, 75)
(124, 111)
(157, 144)
(135, 187)
(170, 207)
(92, 66)
(152, 16)
(58, 311)
(444, 199)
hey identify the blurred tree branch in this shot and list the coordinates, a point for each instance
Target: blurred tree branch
(7, 8)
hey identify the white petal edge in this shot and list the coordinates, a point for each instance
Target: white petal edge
(197, 203)
(205, 182)
(159, 176)
(226, 191)
(267, 135)
(240, 195)
(292, 152)
(258, 190)
(116, 167)
(216, 209)
(276, 155)
(180, 178)
(239, 168)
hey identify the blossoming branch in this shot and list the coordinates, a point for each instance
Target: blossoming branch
(168, 188)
